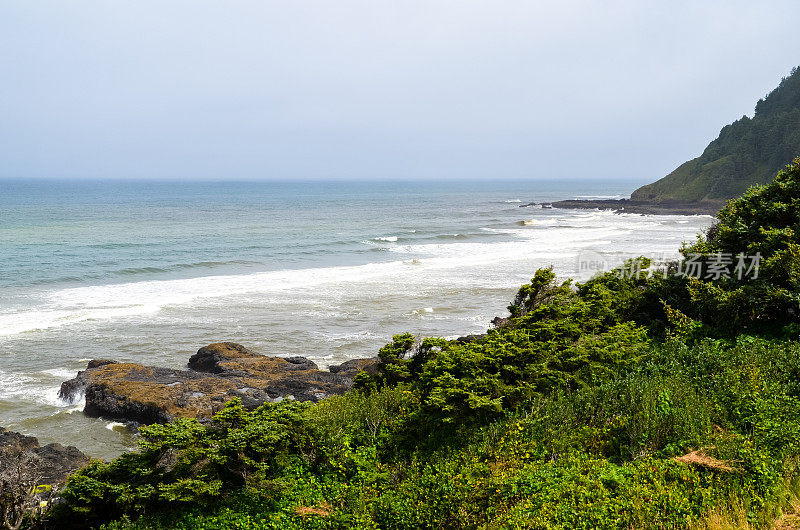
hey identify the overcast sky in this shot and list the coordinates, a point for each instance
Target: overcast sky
(235, 89)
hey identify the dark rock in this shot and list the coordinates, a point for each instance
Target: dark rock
(469, 338)
(251, 402)
(644, 207)
(302, 363)
(209, 358)
(501, 322)
(97, 363)
(103, 400)
(14, 442)
(56, 462)
(73, 389)
(25, 469)
(353, 366)
(498, 322)
(22, 459)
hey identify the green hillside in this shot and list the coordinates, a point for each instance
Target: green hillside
(748, 151)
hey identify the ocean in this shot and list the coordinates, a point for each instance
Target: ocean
(148, 272)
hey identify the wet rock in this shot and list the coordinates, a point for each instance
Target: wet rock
(301, 363)
(501, 322)
(217, 373)
(353, 366)
(671, 207)
(469, 338)
(97, 363)
(73, 389)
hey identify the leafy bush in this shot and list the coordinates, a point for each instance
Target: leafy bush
(185, 462)
(765, 221)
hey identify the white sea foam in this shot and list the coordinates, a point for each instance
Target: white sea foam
(347, 337)
(60, 373)
(390, 239)
(454, 263)
(28, 388)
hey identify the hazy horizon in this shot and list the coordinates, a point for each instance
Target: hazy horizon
(374, 90)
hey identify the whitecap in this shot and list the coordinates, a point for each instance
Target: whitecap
(26, 387)
(358, 336)
(599, 197)
(60, 373)
(447, 261)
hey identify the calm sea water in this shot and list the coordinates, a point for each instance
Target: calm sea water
(150, 271)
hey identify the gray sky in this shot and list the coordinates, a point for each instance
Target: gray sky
(239, 89)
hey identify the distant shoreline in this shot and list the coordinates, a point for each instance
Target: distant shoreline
(643, 207)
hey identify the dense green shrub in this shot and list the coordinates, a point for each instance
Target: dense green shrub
(765, 221)
(186, 462)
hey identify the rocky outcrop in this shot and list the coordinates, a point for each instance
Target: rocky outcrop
(30, 477)
(501, 322)
(217, 373)
(210, 358)
(23, 460)
(74, 388)
(644, 207)
(353, 366)
(470, 338)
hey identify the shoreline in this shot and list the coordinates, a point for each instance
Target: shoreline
(450, 290)
(642, 207)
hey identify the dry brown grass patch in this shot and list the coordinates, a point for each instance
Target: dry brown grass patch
(323, 510)
(700, 459)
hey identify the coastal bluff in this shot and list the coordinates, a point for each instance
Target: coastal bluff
(216, 374)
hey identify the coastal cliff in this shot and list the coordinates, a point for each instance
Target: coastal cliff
(747, 152)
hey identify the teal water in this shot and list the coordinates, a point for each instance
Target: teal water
(150, 271)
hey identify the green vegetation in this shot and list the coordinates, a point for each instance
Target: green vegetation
(747, 152)
(629, 401)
